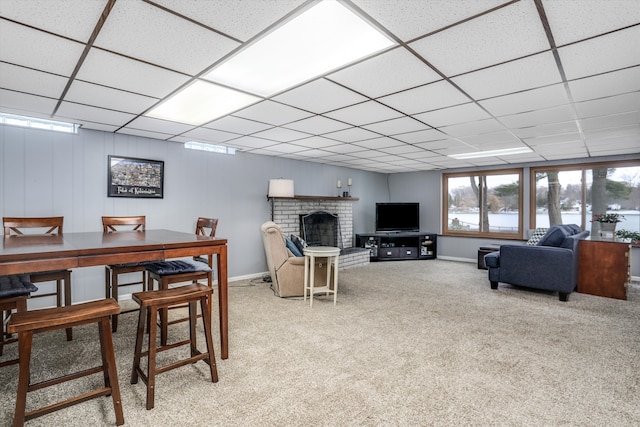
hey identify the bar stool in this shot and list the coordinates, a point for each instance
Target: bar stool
(26, 324)
(152, 301)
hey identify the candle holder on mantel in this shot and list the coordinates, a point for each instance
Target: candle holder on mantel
(339, 187)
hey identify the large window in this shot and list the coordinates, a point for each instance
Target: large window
(573, 194)
(487, 204)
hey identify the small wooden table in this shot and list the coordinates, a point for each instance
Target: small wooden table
(332, 254)
(25, 254)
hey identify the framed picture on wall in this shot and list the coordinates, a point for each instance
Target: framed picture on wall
(132, 177)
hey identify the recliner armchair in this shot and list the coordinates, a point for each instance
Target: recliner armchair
(286, 269)
(550, 265)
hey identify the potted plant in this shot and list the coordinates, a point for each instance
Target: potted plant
(608, 221)
(634, 236)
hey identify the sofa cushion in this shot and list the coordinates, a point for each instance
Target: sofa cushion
(292, 247)
(536, 236)
(554, 236)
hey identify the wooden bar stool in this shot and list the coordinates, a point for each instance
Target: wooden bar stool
(14, 291)
(152, 301)
(26, 324)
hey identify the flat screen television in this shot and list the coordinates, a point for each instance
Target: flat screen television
(397, 216)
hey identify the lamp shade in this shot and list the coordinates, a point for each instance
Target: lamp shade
(280, 188)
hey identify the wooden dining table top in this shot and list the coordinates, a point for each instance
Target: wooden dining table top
(25, 254)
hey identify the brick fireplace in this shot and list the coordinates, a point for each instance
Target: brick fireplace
(287, 211)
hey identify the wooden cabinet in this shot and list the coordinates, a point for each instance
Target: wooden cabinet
(603, 268)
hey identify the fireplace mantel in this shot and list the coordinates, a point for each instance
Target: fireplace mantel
(335, 198)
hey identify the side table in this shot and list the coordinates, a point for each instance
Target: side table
(332, 254)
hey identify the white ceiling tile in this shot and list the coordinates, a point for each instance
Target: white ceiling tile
(272, 113)
(319, 142)
(609, 105)
(31, 81)
(508, 33)
(527, 73)
(70, 18)
(501, 136)
(412, 19)
(612, 121)
(396, 126)
(99, 126)
(472, 128)
(69, 110)
(239, 19)
(365, 113)
(552, 129)
(377, 143)
(453, 115)
(536, 141)
(608, 84)
(344, 149)
(41, 51)
(540, 117)
(351, 135)
(425, 98)
(163, 126)
(606, 53)
(529, 100)
(384, 74)
(405, 149)
(188, 47)
(280, 134)
(421, 136)
(442, 144)
(631, 131)
(237, 125)
(104, 97)
(317, 125)
(137, 77)
(144, 133)
(557, 151)
(320, 96)
(571, 21)
(24, 104)
(287, 148)
(249, 142)
(210, 135)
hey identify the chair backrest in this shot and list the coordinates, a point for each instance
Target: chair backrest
(206, 226)
(51, 225)
(112, 224)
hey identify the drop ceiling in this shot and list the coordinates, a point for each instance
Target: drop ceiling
(559, 77)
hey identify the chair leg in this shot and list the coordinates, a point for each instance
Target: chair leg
(206, 318)
(151, 359)
(114, 295)
(109, 368)
(25, 340)
(67, 299)
(142, 320)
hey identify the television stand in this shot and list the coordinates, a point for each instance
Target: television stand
(390, 246)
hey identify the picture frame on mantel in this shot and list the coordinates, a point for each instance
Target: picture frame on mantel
(134, 177)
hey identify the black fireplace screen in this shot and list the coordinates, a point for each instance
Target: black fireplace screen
(321, 228)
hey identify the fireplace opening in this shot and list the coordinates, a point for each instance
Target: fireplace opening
(321, 228)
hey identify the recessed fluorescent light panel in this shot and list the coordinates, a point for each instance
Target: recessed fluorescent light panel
(209, 147)
(31, 122)
(321, 39)
(491, 153)
(201, 102)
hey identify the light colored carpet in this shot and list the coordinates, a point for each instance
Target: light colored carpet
(410, 343)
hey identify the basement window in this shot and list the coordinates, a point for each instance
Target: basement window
(209, 147)
(32, 122)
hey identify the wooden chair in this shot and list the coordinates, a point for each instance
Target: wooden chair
(14, 291)
(171, 272)
(151, 302)
(113, 224)
(47, 226)
(28, 323)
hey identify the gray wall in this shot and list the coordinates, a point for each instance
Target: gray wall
(45, 173)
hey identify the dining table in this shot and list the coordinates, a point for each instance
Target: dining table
(25, 254)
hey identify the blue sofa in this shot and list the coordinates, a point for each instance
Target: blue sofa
(552, 264)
